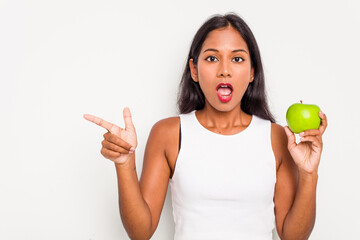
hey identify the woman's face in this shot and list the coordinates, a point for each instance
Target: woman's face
(224, 59)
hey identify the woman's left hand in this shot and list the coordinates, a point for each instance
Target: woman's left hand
(307, 153)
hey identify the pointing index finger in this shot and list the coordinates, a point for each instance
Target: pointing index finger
(101, 122)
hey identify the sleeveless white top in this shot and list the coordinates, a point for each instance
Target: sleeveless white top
(223, 185)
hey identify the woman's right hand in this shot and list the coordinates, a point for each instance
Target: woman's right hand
(118, 142)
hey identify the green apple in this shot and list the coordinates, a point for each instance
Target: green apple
(301, 117)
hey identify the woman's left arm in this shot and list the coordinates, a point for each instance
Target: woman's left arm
(295, 204)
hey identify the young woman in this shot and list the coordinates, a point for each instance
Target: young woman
(234, 173)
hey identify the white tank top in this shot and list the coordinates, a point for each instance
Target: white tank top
(223, 185)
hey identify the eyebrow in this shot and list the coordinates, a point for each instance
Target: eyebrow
(215, 50)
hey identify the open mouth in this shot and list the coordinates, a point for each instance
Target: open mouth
(224, 89)
(224, 92)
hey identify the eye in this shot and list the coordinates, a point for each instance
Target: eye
(211, 59)
(238, 59)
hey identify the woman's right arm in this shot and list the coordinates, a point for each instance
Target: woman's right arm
(141, 204)
(134, 211)
(140, 215)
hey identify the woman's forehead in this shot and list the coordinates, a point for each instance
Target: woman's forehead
(224, 39)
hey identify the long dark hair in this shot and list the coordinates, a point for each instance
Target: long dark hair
(254, 100)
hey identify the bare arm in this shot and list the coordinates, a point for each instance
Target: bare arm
(141, 217)
(300, 220)
(295, 191)
(134, 211)
(162, 145)
(294, 199)
(141, 203)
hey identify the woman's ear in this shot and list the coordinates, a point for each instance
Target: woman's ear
(193, 70)
(252, 74)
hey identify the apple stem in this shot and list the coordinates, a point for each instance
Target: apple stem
(301, 101)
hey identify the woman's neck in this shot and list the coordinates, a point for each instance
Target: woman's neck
(211, 118)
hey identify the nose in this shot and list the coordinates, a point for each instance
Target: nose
(224, 70)
(225, 75)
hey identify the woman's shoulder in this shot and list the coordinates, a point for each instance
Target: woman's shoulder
(277, 130)
(166, 132)
(167, 124)
(278, 142)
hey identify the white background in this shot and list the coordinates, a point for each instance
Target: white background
(61, 59)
